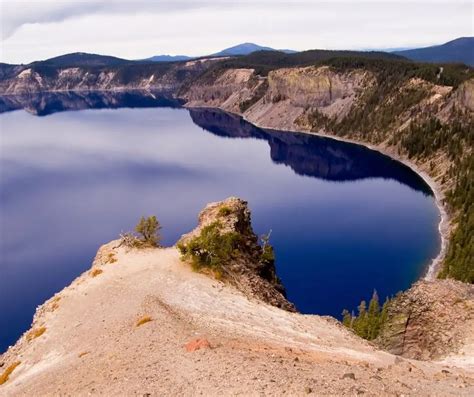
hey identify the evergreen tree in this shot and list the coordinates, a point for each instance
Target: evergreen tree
(346, 318)
(360, 323)
(149, 229)
(384, 313)
(373, 317)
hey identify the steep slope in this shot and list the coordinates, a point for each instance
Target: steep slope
(431, 320)
(458, 50)
(142, 322)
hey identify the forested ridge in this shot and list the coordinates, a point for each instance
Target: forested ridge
(379, 116)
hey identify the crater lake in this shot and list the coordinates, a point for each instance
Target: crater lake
(77, 169)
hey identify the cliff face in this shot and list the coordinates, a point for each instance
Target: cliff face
(430, 320)
(278, 100)
(161, 77)
(247, 272)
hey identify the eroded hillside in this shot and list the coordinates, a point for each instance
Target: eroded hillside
(141, 321)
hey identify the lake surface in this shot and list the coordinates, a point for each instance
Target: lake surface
(344, 219)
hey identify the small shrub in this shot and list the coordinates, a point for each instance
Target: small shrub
(149, 228)
(268, 255)
(8, 371)
(96, 272)
(224, 211)
(211, 249)
(82, 354)
(35, 333)
(111, 258)
(218, 274)
(55, 303)
(143, 320)
(130, 240)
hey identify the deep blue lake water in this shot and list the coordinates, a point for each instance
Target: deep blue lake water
(344, 219)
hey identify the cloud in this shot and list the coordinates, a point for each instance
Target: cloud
(16, 13)
(37, 30)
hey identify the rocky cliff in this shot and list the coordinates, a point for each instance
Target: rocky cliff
(246, 271)
(279, 100)
(36, 77)
(430, 320)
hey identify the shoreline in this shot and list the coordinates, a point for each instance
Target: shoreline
(444, 225)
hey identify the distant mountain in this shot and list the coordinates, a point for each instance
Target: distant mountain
(240, 49)
(169, 58)
(245, 49)
(84, 59)
(458, 50)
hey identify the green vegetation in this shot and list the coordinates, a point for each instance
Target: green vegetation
(224, 211)
(369, 321)
(377, 117)
(378, 111)
(149, 229)
(268, 254)
(265, 61)
(389, 71)
(456, 140)
(211, 249)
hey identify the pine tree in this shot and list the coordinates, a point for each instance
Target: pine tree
(360, 323)
(149, 228)
(373, 318)
(384, 313)
(346, 318)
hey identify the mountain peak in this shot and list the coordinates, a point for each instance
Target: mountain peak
(245, 49)
(457, 50)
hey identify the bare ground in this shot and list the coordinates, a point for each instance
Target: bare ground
(91, 344)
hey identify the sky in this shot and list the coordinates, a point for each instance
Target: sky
(35, 30)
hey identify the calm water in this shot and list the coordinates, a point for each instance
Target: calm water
(344, 219)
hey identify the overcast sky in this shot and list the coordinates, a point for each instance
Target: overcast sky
(34, 30)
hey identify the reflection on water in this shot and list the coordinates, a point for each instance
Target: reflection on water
(45, 103)
(345, 219)
(320, 158)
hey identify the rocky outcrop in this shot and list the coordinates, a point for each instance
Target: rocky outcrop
(277, 101)
(429, 320)
(226, 90)
(15, 80)
(247, 271)
(463, 98)
(292, 92)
